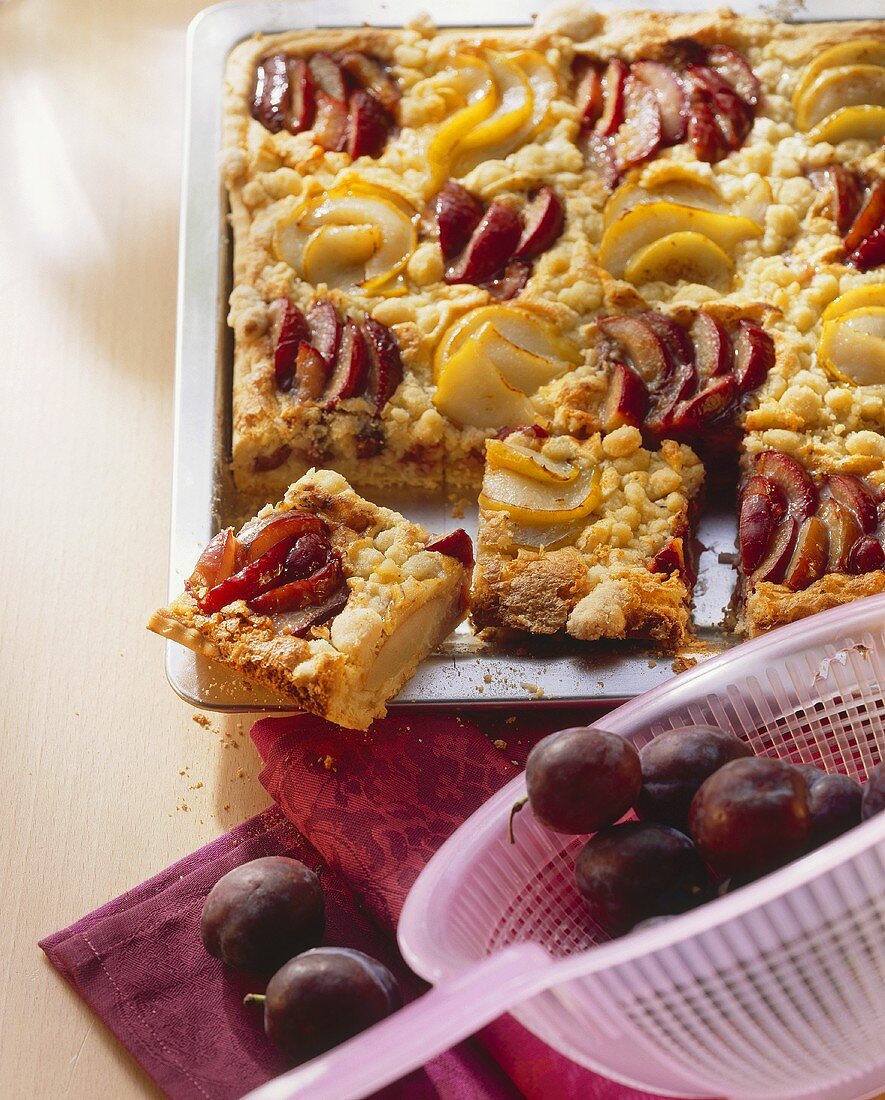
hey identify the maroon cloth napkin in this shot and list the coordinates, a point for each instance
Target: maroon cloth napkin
(378, 805)
(139, 963)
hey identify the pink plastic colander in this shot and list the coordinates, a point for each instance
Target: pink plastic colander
(775, 991)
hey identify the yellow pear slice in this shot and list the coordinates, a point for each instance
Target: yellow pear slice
(471, 392)
(677, 184)
(644, 224)
(337, 254)
(864, 123)
(494, 138)
(520, 368)
(533, 464)
(859, 297)
(544, 85)
(518, 326)
(687, 256)
(845, 86)
(852, 347)
(858, 51)
(367, 217)
(756, 201)
(528, 501)
(472, 78)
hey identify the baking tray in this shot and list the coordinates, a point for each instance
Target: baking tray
(465, 672)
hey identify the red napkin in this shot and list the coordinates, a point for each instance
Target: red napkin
(378, 805)
(375, 807)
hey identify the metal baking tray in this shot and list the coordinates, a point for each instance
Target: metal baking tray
(465, 671)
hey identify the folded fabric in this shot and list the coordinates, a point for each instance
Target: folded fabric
(378, 805)
(139, 963)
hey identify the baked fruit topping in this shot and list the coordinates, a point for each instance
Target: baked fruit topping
(358, 236)
(283, 564)
(493, 245)
(322, 361)
(500, 102)
(491, 361)
(841, 94)
(858, 211)
(707, 97)
(792, 530)
(529, 495)
(668, 379)
(347, 100)
(668, 241)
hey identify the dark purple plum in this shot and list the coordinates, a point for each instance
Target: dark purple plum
(324, 997)
(637, 870)
(674, 766)
(874, 792)
(834, 804)
(582, 779)
(263, 913)
(751, 816)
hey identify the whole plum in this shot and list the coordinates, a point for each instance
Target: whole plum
(676, 763)
(637, 870)
(263, 913)
(834, 803)
(325, 996)
(874, 792)
(751, 816)
(582, 779)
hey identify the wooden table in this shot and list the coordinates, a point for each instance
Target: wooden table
(107, 777)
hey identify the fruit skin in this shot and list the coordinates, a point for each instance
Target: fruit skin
(491, 245)
(544, 219)
(263, 913)
(456, 544)
(368, 125)
(637, 870)
(582, 779)
(751, 816)
(761, 508)
(874, 793)
(866, 556)
(675, 764)
(834, 803)
(385, 364)
(325, 996)
(458, 213)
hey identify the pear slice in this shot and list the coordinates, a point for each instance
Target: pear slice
(520, 368)
(858, 51)
(530, 463)
(343, 259)
(852, 347)
(859, 297)
(471, 392)
(864, 123)
(687, 256)
(472, 79)
(517, 325)
(677, 184)
(494, 138)
(337, 254)
(845, 86)
(544, 85)
(646, 223)
(536, 504)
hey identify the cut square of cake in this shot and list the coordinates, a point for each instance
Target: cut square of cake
(586, 537)
(810, 537)
(325, 598)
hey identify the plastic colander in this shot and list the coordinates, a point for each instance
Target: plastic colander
(776, 990)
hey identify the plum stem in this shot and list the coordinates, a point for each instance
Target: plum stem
(517, 806)
(254, 999)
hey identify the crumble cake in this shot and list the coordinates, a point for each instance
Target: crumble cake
(604, 221)
(327, 599)
(587, 537)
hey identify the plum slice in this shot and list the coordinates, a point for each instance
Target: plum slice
(808, 561)
(639, 135)
(712, 346)
(854, 494)
(328, 76)
(761, 509)
(491, 245)
(289, 330)
(544, 218)
(330, 123)
(296, 595)
(753, 356)
(385, 364)
(792, 480)
(870, 252)
(311, 374)
(217, 562)
(866, 556)
(351, 366)
(263, 535)
(640, 344)
(613, 82)
(370, 74)
(671, 98)
(270, 100)
(589, 94)
(368, 125)
(627, 398)
(735, 70)
(325, 330)
(843, 529)
(302, 96)
(842, 190)
(870, 218)
(458, 213)
(455, 544)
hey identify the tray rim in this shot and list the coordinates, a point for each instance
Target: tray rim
(201, 329)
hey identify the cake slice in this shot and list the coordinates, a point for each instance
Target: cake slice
(326, 599)
(810, 537)
(586, 537)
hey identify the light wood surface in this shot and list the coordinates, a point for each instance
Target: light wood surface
(94, 740)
